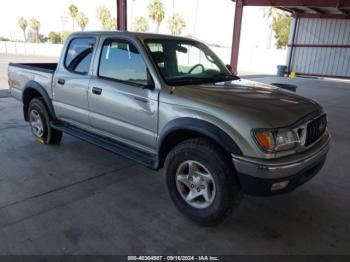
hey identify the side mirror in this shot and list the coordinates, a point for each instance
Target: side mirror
(229, 67)
(181, 49)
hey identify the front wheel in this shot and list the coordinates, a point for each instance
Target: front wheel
(39, 121)
(201, 181)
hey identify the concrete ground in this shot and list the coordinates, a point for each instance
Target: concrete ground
(79, 199)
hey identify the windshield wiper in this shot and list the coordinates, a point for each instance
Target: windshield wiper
(224, 77)
(201, 80)
(187, 78)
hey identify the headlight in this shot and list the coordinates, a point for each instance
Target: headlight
(276, 140)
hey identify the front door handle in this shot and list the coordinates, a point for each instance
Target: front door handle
(97, 90)
(61, 81)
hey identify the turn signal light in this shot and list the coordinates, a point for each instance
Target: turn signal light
(265, 139)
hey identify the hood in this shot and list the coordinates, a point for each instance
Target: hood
(269, 104)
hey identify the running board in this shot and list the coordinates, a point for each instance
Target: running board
(138, 156)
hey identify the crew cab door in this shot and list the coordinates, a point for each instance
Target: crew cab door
(123, 103)
(71, 81)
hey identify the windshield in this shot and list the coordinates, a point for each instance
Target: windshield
(183, 62)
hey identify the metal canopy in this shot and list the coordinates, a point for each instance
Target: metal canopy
(328, 9)
(316, 8)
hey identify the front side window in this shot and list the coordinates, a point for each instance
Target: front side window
(185, 62)
(120, 60)
(79, 55)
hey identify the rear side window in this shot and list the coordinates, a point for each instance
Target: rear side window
(79, 55)
(120, 60)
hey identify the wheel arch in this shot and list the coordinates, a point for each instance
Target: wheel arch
(33, 90)
(182, 129)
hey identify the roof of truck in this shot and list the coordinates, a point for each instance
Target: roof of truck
(138, 35)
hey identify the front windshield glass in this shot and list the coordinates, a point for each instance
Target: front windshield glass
(184, 62)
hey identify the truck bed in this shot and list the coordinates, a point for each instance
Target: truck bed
(36, 66)
(20, 74)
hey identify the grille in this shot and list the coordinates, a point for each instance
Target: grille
(315, 130)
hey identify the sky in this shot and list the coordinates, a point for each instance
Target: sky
(208, 20)
(52, 14)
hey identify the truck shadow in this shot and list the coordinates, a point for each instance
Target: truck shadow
(304, 221)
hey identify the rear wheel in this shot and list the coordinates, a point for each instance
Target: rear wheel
(39, 121)
(201, 181)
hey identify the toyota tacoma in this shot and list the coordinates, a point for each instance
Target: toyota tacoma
(169, 102)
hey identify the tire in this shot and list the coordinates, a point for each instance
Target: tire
(211, 165)
(39, 120)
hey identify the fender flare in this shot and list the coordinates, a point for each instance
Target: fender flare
(41, 90)
(203, 127)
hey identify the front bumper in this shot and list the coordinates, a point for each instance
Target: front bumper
(259, 176)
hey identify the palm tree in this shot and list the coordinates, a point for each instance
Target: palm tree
(73, 12)
(35, 25)
(112, 23)
(107, 21)
(156, 12)
(140, 24)
(176, 24)
(64, 35)
(23, 24)
(82, 20)
(271, 14)
(54, 38)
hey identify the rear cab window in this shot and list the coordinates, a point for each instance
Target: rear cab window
(121, 61)
(79, 55)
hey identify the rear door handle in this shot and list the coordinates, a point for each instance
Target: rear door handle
(96, 90)
(143, 100)
(61, 81)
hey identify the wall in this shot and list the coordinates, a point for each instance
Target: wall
(39, 49)
(319, 59)
(254, 60)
